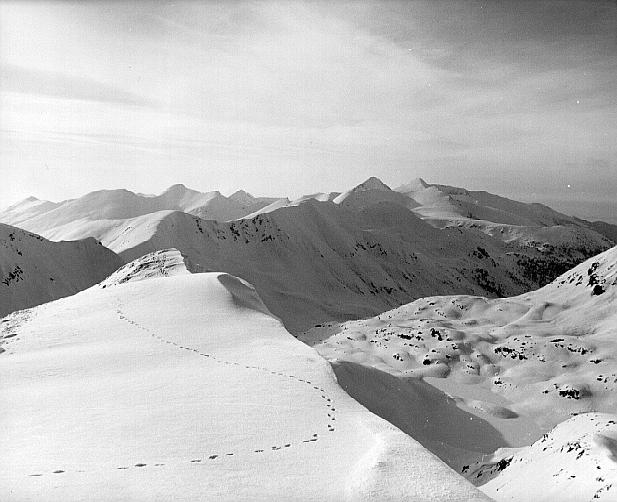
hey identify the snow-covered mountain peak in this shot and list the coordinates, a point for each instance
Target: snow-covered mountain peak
(242, 197)
(177, 187)
(372, 183)
(414, 185)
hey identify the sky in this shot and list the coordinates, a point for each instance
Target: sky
(285, 98)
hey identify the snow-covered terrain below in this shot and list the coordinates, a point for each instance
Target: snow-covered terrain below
(575, 461)
(34, 270)
(521, 365)
(164, 385)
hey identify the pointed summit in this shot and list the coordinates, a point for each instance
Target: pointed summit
(415, 185)
(372, 183)
(242, 197)
(177, 188)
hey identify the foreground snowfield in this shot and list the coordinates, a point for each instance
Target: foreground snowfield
(186, 388)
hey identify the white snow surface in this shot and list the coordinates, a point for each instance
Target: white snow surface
(100, 212)
(575, 461)
(34, 270)
(519, 365)
(184, 387)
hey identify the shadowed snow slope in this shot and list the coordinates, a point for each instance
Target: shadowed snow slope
(538, 357)
(184, 388)
(34, 270)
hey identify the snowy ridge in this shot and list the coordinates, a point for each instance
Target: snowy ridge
(182, 387)
(164, 263)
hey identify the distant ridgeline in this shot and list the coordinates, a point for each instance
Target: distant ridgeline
(333, 255)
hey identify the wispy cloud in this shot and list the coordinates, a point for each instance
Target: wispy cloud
(23, 80)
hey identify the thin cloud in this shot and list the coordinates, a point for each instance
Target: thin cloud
(23, 80)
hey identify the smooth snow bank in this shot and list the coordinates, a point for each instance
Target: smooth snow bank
(575, 461)
(184, 388)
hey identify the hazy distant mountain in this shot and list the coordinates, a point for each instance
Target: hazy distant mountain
(96, 212)
(34, 270)
(606, 229)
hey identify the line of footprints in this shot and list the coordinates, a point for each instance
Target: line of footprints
(314, 437)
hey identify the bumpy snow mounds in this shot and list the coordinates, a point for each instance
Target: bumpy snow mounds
(34, 270)
(575, 461)
(521, 364)
(183, 387)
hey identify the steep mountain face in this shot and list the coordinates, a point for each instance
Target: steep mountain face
(177, 386)
(318, 260)
(34, 270)
(522, 364)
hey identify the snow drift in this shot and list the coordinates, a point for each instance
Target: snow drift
(184, 387)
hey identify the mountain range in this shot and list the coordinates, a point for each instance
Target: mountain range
(371, 344)
(334, 256)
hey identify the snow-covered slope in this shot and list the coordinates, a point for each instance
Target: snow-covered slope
(185, 388)
(318, 261)
(26, 209)
(34, 270)
(523, 364)
(328, 255)
(371, 192)
(448, 202)
(520, 223)
(575, 461)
